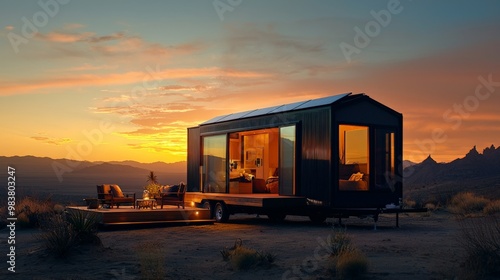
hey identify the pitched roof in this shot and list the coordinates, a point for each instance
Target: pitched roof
(279, 109)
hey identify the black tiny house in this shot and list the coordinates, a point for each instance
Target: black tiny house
(337, 152)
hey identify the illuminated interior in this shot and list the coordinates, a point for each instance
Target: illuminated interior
(354, 159)
(252, 165)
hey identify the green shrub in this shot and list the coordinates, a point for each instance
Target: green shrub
(467, 203)
(152, 261)
(351, 264)
(481, 239)
(242, 257)
(153, 189)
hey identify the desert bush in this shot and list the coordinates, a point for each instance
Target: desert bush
(467, 203)
(152, 261)
(492, 208)
(62, 232)
(85, 226)
(58, 235)
(242, 257)
(481, 239)
(351, 264)
(346, 261)
(30, 211)
(340, 241)
(408, 203)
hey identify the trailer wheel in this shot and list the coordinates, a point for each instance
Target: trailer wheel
(276, 217)
(221, 213)
(317, 218)
(207, 205)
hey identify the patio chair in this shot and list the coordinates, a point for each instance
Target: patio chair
(174, 197)
(113, 195)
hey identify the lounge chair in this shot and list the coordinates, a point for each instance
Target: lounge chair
(113, 195)
(174, 197)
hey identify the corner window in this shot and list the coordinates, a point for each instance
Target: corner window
(354, 158)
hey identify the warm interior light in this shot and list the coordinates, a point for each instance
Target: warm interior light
(196, 213)
(192, 204)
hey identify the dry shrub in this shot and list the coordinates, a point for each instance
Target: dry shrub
(31, 211)
(340, 241)
(242, 258)
(492, 208)
(408, 203)
(481, 240)
(152, 261)
(351, 264)
(467, 203)
(346, 261)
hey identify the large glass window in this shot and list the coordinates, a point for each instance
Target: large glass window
(214, 164)
(354, 159)
(287, 160)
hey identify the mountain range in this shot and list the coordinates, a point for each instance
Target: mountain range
(476, 172)
(71, 177)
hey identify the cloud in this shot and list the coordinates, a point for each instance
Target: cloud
(111, 45)
(71, 26)
(52, 141)
(60, 37)
(149, 76)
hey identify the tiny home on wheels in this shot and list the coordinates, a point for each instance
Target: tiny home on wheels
(335, 156)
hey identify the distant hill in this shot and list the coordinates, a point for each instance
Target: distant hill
(70, 177)
(476, 172)
(407, 163)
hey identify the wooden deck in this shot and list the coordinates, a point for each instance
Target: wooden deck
(264, 200)
(127, 215)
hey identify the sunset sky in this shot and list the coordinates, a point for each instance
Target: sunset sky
(122, 80)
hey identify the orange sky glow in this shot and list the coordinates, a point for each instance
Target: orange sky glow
(124, 83)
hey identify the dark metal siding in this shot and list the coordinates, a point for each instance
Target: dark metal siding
(194, 156)
(314, 164)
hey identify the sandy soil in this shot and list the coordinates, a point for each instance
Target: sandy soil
(422, 248)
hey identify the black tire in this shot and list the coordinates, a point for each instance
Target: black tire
(317, 218)
(221, 213)
(207, 205)
(276, 217)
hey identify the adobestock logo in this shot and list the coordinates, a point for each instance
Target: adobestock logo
(39, 19)
(363, 37)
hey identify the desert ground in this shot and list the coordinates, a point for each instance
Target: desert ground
(425, 246)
